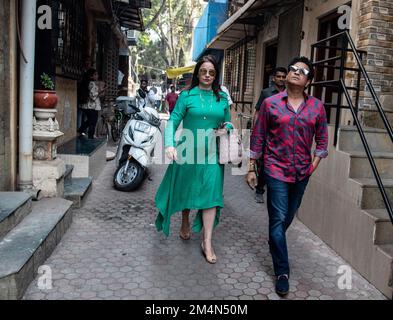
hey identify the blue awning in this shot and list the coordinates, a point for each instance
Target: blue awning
(214, 15)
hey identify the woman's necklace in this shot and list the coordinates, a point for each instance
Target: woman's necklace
(203, 103)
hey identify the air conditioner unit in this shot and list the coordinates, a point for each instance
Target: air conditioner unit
(132, 37)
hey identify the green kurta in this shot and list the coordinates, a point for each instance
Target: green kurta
(195, 181)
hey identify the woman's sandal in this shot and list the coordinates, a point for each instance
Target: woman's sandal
(212, 259)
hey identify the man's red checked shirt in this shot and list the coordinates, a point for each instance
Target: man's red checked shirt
(285, 137)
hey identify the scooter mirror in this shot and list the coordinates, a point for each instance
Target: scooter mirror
(134, 107)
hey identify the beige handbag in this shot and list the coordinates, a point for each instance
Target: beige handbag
(230, 146)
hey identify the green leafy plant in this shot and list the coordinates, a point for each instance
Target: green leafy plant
(47, 82)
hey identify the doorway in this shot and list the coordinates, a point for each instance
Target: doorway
(270, 63)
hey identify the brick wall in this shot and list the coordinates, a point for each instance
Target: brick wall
(4, 97)
(376, 37)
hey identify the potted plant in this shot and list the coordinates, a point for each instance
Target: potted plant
(47, 98)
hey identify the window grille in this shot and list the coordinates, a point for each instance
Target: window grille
(240, 62)
(107, 53)
(71, 36)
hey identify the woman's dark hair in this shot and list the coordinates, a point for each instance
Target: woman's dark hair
(307, 62)
(83, 90)
(216, 84)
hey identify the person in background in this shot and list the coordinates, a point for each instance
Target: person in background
(90, 102)
(145, 97)
(171, 99)
(279, 77)
(284, 133)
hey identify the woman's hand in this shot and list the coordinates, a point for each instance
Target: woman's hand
(171, 153)
(221, 132)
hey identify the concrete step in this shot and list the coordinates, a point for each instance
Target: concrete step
(77, 190)
(368, 194)
(384, 264)
(68, 173)
(378, 139)
(29, 244)
(14, 207)
(383, 232)
(360, 166)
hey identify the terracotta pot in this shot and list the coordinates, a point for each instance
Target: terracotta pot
(45, 99)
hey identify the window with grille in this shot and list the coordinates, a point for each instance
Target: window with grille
(71, 36)
(240, 62)
(107, 57)
(249, 68)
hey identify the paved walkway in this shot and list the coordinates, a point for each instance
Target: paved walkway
(112, 251)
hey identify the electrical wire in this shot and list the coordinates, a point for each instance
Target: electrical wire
(18, 32)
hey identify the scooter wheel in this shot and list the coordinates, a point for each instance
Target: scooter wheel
(130, 180)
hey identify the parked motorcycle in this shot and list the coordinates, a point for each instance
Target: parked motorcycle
(136, 148)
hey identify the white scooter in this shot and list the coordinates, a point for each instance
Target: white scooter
(135, 151)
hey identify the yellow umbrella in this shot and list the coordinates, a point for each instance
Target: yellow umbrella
(173, 73)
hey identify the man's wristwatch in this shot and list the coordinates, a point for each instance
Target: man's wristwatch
(251, 167)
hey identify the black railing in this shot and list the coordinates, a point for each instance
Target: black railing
(347, 45)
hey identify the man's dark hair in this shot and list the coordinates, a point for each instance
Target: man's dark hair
(144, 80)
(307, 62)
(280, 69)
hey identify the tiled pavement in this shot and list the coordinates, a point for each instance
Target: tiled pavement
(112, 251)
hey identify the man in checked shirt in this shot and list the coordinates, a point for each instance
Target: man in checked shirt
(283, 135)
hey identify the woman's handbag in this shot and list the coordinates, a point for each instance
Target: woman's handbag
(230, 146)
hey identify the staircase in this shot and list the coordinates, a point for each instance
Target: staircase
(378, 261)
(76, 189)
(349, 200)
(29, 232)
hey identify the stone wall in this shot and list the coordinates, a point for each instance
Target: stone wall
(4, 96)
(376, 37)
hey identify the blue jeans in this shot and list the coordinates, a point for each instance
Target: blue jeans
(283, 202)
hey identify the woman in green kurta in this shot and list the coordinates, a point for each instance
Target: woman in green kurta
(194, 181)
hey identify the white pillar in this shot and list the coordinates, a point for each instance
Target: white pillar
(26, 81)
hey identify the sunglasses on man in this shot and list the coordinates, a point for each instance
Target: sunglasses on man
(302, 71)
(204, 71)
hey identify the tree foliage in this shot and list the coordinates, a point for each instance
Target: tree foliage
(168, 40)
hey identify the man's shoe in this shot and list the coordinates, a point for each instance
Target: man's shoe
(282, 285)
(259, 198)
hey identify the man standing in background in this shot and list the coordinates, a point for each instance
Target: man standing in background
(171, 99)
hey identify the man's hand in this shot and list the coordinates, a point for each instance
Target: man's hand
(315, 164)
(252, 180)
(171, 153)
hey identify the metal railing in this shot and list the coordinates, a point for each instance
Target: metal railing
(342, 89)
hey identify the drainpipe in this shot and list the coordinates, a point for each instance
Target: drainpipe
(26, 88)
(13, 85)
